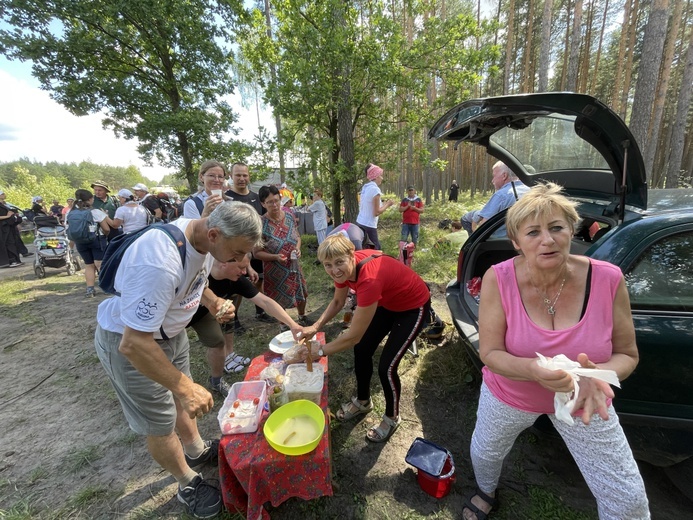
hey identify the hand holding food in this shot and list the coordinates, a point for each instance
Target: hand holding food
(226, 311)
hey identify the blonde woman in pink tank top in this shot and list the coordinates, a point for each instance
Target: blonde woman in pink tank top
(549, 301)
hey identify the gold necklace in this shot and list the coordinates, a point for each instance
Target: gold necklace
(550, 305)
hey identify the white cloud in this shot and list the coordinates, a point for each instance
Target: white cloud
(34, 126)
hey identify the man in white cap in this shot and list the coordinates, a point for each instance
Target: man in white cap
(146, 200)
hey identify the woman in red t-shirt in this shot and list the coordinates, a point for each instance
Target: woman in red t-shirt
(392, 299)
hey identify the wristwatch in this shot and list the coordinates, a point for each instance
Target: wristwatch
(321, 352)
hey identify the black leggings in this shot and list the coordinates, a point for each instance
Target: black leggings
(402, 327)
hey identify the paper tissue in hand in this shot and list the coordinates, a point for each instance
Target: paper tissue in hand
(564, 402)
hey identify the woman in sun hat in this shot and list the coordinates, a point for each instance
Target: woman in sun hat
(370, 207)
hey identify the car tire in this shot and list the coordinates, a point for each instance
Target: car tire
(681, 475)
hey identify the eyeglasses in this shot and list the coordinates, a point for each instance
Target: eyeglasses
(215, 177)
(271, 202)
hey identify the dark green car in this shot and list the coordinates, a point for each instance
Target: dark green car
(578, 142)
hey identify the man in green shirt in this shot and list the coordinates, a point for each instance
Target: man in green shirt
(106, 203)
(102, 199)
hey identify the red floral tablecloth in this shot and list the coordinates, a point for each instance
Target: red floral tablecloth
(252, 473)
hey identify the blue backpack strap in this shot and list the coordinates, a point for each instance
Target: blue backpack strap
(198, 203)
(178, 238)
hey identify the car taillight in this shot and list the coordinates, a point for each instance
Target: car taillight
(460, 260)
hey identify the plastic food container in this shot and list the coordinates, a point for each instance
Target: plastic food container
(435, 467)
(243, 407)
(301, 384)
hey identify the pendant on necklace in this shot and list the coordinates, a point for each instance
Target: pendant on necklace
(551, 310)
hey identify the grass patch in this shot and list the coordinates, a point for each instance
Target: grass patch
(545, 504)
(14, 292)
(80, 458)
(37, 475)
(22, 510)
(90, 495)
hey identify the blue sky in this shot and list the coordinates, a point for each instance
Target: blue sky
(34, 126)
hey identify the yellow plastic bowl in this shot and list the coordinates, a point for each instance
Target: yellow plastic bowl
(287, 411)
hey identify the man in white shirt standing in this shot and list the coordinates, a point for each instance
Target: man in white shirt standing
(142, 344)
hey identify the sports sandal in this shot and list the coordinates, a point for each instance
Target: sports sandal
(346, 412)
(235, 364)
(491, 501)
(380, 434)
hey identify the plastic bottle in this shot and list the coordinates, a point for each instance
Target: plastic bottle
(294, 260)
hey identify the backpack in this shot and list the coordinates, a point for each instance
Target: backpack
(329, 215)
(81, 228)
(198, 203)
(117, 247)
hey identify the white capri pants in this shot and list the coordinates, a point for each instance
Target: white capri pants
(600, 450)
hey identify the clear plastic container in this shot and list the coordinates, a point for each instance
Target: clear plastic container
(301, 384)
(243, 407)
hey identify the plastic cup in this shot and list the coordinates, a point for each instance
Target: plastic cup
(216, 192)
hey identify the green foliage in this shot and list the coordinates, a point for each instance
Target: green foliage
(328, 62)
(156, 69)
(24, 179)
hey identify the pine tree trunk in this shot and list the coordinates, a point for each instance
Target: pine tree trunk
(586, 50)
(545, 48)
(648, 74)
(676, 154)
(510, 38)
(528, 79)
(571, 81)
(662, 88)
(630, 54)
(566, 48)
(623, 39)
(595, 73)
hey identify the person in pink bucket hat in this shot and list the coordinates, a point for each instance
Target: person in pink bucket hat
(371, 207)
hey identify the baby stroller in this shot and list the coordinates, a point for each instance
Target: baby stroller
(52, 247)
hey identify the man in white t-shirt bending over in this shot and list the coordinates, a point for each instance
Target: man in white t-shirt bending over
(141, 341)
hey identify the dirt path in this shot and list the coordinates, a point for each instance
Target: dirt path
(67, 453)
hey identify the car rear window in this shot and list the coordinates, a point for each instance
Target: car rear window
(550, 143)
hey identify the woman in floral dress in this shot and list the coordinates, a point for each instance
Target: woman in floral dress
(283, 278)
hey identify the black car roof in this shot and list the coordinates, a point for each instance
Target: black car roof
(477, 120)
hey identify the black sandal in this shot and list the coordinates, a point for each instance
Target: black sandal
(480, 515)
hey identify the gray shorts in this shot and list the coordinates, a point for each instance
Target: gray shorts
(148, 407)
(209, 331)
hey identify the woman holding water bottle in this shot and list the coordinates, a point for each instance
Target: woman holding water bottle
(284, 280)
